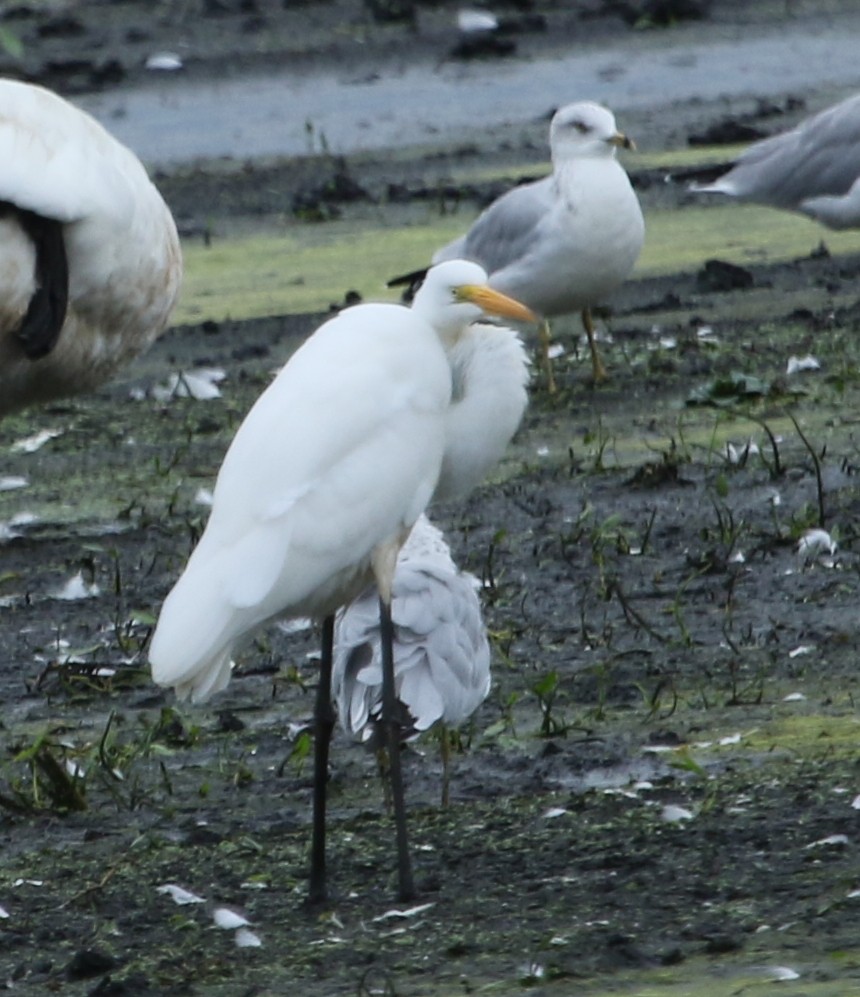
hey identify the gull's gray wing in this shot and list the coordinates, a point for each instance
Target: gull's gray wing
(441, 652)
(818, 158)
(507, 230)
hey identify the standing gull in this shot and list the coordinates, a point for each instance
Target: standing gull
(317, 493)
(813, 169)
(90, 264)
(563, 243)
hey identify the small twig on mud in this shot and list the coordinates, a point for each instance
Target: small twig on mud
(819, 484)
(365, 987)
(646, 537)
(653, 700)
(93, 887)
(630, 614)
(777, 470)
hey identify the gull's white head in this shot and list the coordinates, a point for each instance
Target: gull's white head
(586, 130)
(455, 294)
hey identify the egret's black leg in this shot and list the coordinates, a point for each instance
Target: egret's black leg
(323, 726)
(391, 725)
(41, 325)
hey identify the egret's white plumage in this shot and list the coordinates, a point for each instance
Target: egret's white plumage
(327, 474)
(317, 493)
(72, 196)
(813, 169)
(563, 243)
(441, 652)
(489, 372)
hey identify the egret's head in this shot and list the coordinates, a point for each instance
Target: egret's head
(455, 293)
(585, 129)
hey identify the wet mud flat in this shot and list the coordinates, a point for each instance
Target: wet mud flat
(660, 790)
(660, 794)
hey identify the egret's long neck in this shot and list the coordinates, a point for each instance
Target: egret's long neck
(489, 371)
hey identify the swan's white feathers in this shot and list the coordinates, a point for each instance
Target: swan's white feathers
(124, 259)
(59, 162)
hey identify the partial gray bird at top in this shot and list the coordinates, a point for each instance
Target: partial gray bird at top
(813, 169)
(563, 243)
(90, 263)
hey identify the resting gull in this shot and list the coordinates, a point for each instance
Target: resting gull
(441, 652)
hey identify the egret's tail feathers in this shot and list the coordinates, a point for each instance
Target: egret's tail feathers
(188, 653)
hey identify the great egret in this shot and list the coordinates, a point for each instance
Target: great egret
(90, 264)
(441, 652)
(316, 495)
(813, 169)
(563, 243)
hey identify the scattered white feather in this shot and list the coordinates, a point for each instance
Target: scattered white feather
(782, 973)
(471, 21)
(796, 365)
(853, 894)
(800, 650)
(831, 841)
(246, 939)
(409, 912)
(296, 626)
(203, 497)
(735, 454)
(554, 812)
(30, 444)
(76, 588)
(706, 335)
(774, 498)
(11, 482)
(12, 527)
(794, 697)
(164, 62)
(180, 895)
(228, 919)
(201, 385)
(4, 913)
(855, 803)
(674, 814)
(730, 739)
(532, 971)
(555, 350)
(738, 558)
(813, 543)
(542, 451)
(29, 882)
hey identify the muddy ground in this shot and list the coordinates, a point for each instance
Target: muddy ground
(659, 795)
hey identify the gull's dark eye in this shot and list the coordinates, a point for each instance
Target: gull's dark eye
(581, 127)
